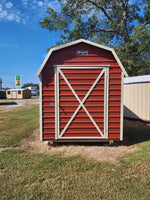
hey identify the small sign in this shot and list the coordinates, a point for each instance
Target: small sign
(82, 52)
(51, 103)
(18, 81)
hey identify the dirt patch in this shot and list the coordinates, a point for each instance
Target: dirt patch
(94, 152)
(8, 105)
(97, 152)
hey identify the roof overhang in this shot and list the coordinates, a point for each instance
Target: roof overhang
(137, 79)
(86, 42)
(17, 89)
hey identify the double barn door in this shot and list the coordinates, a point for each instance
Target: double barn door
(81, 102)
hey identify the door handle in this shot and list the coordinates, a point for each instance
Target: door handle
(62, 109)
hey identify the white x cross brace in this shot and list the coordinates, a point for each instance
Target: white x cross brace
(81, 103)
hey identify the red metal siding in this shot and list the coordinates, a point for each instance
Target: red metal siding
(114, 102)
(48, 95)
(67, 56)
(82, 126)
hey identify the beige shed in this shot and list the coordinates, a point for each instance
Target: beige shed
(18, 94)
(137, 97)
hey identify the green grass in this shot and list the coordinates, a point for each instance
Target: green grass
(24, 175)
(35, 176)
(141, 137)
(16, 125)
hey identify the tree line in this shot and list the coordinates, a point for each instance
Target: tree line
(30, 85)
(121, 24)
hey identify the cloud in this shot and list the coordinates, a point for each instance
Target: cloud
(8, 5)
(6, 16)
(40, 3)
(25, 2)
(9, 45)
(3, 14)
(55, 4)
(9, 12)
(26, 11)
(13, 17)
(43, 4)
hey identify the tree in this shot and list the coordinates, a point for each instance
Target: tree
(120, 24)
(30, 85)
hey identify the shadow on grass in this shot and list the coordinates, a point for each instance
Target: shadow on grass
(8, 103)
(136, 131)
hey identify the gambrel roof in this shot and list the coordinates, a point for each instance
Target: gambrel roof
(86, 42)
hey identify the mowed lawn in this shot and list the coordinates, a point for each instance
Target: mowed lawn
(17, 124)
(24, 175)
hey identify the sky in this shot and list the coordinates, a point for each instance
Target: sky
(23, 42)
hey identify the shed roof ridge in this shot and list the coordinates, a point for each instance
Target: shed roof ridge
(77, 42)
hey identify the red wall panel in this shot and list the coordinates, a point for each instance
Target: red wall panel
(95, 101)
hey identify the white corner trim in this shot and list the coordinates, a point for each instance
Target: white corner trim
(105, 70)
(81, 103)
(121, 113)
(106, 102)
(119, 62)
(40, 98)
(76, 42)
(56, 75)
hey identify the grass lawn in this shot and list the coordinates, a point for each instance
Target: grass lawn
(17, 124)
(24, 175)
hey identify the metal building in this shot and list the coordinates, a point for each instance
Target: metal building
(137, 97)
(81, 93)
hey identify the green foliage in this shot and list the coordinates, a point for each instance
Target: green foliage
(137, 56)
(30, 85)
(121, 24)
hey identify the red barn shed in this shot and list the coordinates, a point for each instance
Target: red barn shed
(81, 93)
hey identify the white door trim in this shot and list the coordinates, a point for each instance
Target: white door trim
(105, 71)
(81, 103)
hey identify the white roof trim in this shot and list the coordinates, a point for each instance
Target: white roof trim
(87, 42)
(15, 89)
(137, 79)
